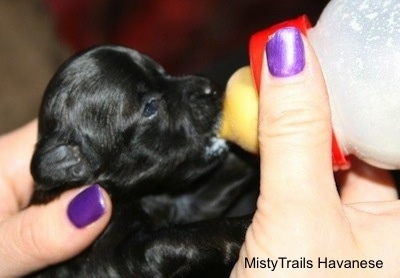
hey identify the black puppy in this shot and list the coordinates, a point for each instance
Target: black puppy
(112, 116)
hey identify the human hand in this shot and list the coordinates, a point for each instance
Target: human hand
(300, 214)
(34, 237)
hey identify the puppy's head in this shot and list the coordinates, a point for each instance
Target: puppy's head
(113, 116)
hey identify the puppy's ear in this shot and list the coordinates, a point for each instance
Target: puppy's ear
(59, 165)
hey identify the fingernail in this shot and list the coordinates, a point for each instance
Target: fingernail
(87, 207)
(285, 53)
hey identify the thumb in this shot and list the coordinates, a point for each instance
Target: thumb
(43, 235)
(294, 127)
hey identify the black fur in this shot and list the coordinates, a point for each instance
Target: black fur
(114, 117)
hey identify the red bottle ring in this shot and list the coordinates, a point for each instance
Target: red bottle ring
(257, 45)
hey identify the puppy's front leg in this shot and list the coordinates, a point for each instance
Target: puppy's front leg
(202, 249)
(213, 197)
(234, 177)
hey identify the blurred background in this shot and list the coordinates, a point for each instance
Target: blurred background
(185, 36)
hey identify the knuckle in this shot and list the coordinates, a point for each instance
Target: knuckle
(295, 120)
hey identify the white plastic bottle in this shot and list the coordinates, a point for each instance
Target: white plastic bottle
(358, 45)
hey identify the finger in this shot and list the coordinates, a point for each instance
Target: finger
(16, 151)
(384, 208)
(44, 235)
(375, 226)
(365, 183)
(294, 127)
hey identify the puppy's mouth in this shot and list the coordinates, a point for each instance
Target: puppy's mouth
(217, 146)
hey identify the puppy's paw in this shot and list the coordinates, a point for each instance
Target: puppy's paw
(59, 165)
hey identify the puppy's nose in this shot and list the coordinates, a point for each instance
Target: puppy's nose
(208, 88)
(211, 90)
(194, 86)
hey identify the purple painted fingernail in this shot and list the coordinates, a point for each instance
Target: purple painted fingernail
(285, 52)
(87, 207)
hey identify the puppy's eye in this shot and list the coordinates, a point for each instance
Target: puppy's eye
(151, 108)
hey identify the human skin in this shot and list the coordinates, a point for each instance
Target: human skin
(33, 237)
(302, 210)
